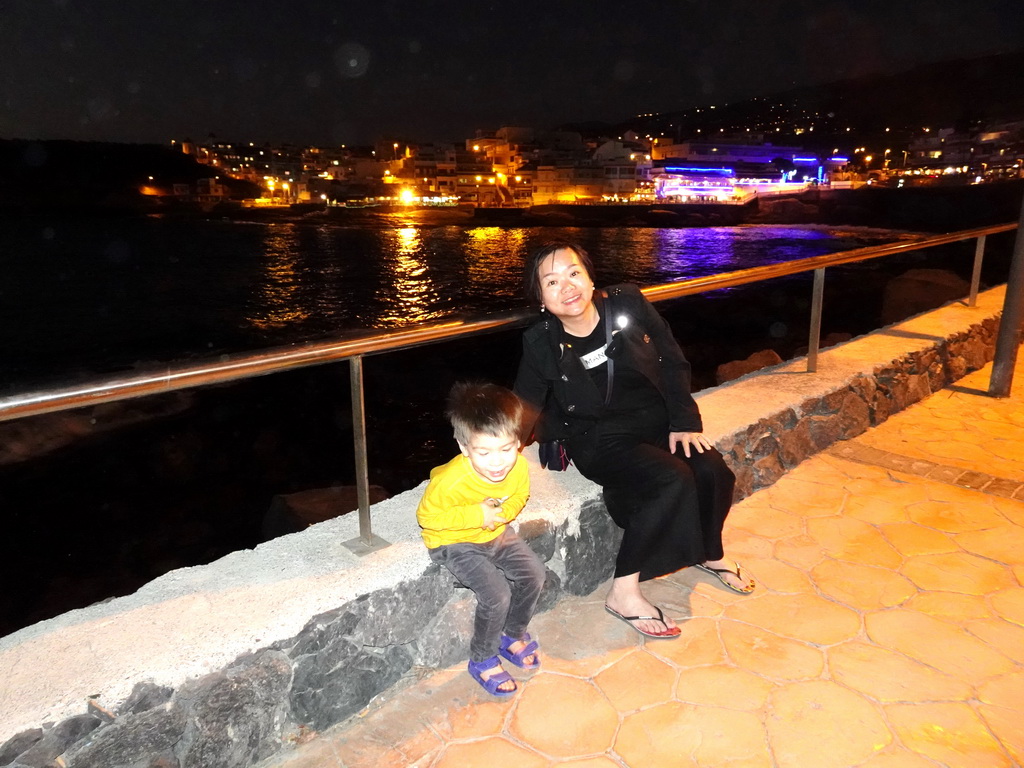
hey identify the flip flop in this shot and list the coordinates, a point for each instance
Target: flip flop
(518, 658)
(490, 684)
(717, 573)
(670, 634)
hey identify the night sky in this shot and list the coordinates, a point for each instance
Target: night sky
(333, 72)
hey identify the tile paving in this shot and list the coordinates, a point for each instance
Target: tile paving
(887, 632)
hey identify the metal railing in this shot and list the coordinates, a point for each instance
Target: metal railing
(355, 346)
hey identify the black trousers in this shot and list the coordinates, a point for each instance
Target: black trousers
(671, 508)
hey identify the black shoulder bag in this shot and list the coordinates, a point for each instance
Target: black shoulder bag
(553, 454)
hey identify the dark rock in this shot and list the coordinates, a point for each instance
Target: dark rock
(764, 446)
(540, 535)
(145, 696)
(336, 684)
(18, 743)
(744, 480)
(445, 638)
(903, 390)
(854, 416)
(786, 210)
(320, 632)
(956, 366)
(767, 470)
(57, 740)
(935, 367)
(825, 430)
(235, 718)
(918, 290)
(974, 353)
(917, 388)
(144, 740)
(737, 368)
(551, 593)
(832, 402)
(795, 445)
(747, 440)
(293, 512)
(880, 408)
(27, 439)
(727, 445)
(394, 616)
(923, 360)
(590, 555)
(780, 422)
(864, 387)
(810, 405)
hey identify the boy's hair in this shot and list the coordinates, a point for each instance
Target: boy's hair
(531, 283)
(482, 408)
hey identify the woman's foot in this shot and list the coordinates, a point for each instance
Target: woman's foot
(626, 599)
(663, 632)
(731, 574)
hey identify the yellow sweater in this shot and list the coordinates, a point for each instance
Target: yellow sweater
(450, 511)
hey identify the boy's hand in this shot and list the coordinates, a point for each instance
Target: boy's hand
(492, 513)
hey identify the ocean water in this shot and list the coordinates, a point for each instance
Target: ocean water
(100, 295)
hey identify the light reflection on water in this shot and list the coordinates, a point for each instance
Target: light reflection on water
(411, 295)
(494, 263)
(279, 301)
(315, 281)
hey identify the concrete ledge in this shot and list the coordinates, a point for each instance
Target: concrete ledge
(299, 632)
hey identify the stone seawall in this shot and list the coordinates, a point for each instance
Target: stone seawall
(221, 665)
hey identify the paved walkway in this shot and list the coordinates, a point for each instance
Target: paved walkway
(888, 631)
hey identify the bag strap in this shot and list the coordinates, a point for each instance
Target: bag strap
(607, 342)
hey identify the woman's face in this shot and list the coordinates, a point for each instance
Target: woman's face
(565, 287)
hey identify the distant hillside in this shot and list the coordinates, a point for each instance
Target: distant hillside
(89, 175)
(960, 93)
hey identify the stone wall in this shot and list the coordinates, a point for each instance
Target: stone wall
(323, 675)
(765, 450)
(341, 659)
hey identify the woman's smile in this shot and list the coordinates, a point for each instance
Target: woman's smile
(567, 290)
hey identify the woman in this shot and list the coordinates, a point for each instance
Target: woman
(664, 483)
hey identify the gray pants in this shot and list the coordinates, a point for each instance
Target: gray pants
(507, 577)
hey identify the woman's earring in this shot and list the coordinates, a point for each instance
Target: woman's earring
(541, 307)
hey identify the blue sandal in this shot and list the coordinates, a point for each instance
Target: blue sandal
(519, 658)
(490, 684)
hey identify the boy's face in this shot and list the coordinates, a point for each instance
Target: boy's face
(491, 457)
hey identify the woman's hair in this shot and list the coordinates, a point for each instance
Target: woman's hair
(531, 285)
(477, 408)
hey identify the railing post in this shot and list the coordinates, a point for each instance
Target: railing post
(814, 334)
(1008, 340)
(979, 251)
(366, 542)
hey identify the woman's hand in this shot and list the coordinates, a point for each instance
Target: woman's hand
(688, 439)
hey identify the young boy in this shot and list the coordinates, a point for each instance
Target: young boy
(464, 516)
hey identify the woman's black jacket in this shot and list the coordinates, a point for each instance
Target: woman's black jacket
(553, 381)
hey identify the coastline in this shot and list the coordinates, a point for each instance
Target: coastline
(936, 209)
